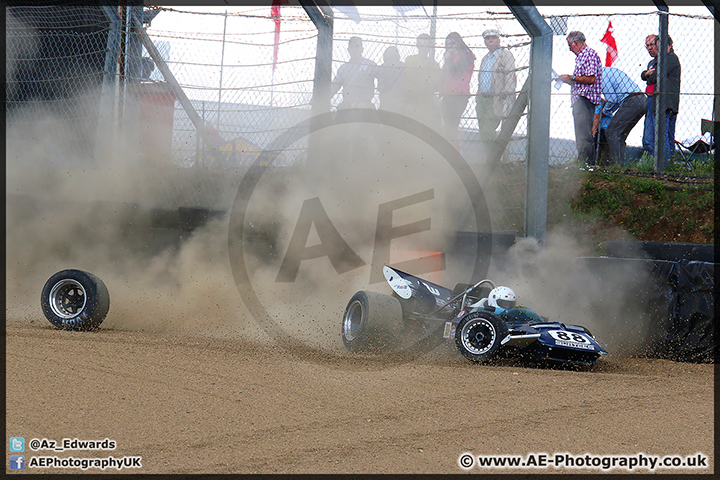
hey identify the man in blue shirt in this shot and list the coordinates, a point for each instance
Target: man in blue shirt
(624, 104)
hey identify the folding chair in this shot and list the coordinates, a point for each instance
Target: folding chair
(699, 147)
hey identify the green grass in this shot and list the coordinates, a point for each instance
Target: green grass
(643, 206)
(701, 165)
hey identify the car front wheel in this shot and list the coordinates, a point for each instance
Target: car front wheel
(478, 336)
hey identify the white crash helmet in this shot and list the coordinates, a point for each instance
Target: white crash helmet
(502, 297)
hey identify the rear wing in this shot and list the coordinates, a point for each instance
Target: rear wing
(407, 286)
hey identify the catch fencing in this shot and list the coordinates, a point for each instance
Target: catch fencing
(249, 76)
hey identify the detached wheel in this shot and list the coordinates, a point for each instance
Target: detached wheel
(371, 322)
(478, 335)
(75, 300)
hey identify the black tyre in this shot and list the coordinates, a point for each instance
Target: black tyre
(371, 322)
(75, 300)
(478, 335)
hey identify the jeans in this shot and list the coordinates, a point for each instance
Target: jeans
(648, 139)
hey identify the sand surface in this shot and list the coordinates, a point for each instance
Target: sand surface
(188, 404)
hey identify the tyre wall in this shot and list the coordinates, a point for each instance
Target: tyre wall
(676, 297)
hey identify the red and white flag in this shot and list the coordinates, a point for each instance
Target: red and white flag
(275, 14)
(609, 40)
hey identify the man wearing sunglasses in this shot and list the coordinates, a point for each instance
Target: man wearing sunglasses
(672, 91)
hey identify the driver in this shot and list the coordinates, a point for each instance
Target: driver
(501, 298)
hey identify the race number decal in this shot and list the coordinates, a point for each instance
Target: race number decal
(571, 339)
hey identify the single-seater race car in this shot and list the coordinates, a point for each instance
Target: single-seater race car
(482, 319)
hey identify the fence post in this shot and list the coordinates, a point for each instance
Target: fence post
(323, 57)
(661, 153)
(104, 138)
(538, 141)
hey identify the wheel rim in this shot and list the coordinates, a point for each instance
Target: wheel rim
(67, 298)
(352, 320)
(478, 336)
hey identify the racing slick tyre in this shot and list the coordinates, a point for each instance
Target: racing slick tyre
(75, 300)
(371, 322)
(478, 335)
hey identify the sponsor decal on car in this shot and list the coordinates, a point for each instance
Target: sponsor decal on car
(397, 283)
(432, 290)
(449, 331)
(564, 343)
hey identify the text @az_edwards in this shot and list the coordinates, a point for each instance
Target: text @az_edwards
(37, 444)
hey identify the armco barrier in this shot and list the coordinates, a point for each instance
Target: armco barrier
(672, 251)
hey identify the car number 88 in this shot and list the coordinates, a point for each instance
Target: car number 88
(568, 336)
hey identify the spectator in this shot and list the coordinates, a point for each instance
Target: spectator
(586, 82)
(422, 80)
(391, 80)
(496, 86)
(672, 86)
(648, 139)
(458, 64)
(356, 77)
(623, 106)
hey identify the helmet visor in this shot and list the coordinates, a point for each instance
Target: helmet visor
(502, 303)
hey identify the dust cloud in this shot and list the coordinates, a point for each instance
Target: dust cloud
(607, 296)
(68, 210)
(70, 207)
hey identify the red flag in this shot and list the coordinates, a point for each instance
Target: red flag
(275, 14)
(609, 40)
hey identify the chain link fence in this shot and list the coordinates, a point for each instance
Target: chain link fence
(85, 68)
(55, 65)
(629, 31)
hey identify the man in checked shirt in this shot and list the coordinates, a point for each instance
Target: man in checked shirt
(585, 83)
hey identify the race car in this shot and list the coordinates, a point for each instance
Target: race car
(482, 319)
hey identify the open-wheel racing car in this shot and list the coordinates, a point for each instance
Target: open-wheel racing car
(482, 319)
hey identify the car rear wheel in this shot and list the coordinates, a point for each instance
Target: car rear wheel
(75, 300)
(371, 322)
(478, 335)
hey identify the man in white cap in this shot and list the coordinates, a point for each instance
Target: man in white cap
(496, 87)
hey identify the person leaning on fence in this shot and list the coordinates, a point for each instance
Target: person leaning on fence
(623, 107)
(391, 80)
(585, 84)
(648, 138)
(496, 86)
(356, 77)
(458, 64)
(422, 81)
(672, 93)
